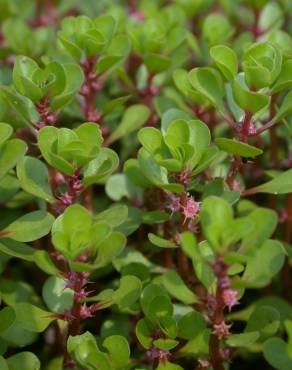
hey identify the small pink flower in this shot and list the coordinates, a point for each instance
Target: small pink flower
(138, 16)
(230, 298)
(191, 209)
(222, 329)
(85, 312)
(174, 203)
(160, 354)
(236, 186)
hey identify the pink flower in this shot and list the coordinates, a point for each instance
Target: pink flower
(222, 329)
(191, 209)
(230, 298)
(85, 312)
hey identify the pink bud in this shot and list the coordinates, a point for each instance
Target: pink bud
(230, 298)
(174, 203)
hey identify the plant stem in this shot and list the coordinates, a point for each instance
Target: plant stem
(245, 132)
(89, 90)
(234, 169)
(214, 344)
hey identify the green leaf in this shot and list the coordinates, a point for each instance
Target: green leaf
(3, 364)
(74, 80)
(243, 339)
(160, 242)
(150, 138)
(43, 260)
(128, 292)
(118, 349)
(154, 173)
(191, 324)
(226, 60)
(265, 320)
(248, 100)
(34, 178)
(115, 103)
(285, 108)
(177, 288)
(57, 297)
(236, 147)
(144, 330)
(47, 141)
(208, 156)
(284, 80)
(71, 48)
(10, 153)
(263, 264)
(165, 344)
(264, 224)
(32, 318)
(150, 292)
(168, 366)
(7, 318)
(15, 291)
(110, 248)
(160, 308)
(262, 63)
(24, 108)
(216, 215)
(217, 29)
(183, 84)
(154, 217)
(119, 186)
(157, 63)
(288, 327)
(133, 118)
(114, 216)
(98, 170)
(84, 350)
(29, 227)
(25, 360)
(17, 249)
(23, 70)
(189, 244)
(71, 231)
(172, 115)
(282, 184)
(5, 132)
(276, 353)
(208, 82)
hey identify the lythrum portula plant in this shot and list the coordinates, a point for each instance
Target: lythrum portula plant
(145, 185)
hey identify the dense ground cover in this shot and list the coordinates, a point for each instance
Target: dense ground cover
(145, 184)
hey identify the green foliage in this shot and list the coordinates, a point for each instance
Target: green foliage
(145, 184)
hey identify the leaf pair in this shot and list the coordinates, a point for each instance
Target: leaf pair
(59, 82)
(75, 232)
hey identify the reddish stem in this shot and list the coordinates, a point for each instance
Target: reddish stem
(75, 188)
(89, 90)
(234, 169)
(47, 117)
